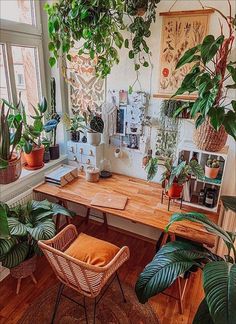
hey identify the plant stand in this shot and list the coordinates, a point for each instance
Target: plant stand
(19, 282)
(163, 194)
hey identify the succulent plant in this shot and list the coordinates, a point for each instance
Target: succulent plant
(213, 163)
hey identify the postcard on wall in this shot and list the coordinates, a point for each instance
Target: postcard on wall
(180, 32)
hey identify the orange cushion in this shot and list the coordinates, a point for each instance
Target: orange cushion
(92, 250)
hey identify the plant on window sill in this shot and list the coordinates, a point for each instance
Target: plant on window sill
(176, 258)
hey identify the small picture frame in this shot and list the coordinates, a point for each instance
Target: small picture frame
(133, 142)
(121, 121)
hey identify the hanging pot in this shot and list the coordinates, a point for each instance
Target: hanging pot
(34, 160)
(13, 170)
(207, 138)
(93, 138)
(175, 191)
(54, 152)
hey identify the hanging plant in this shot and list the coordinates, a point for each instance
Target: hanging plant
(97, 24)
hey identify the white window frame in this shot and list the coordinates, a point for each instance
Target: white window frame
(20, 34)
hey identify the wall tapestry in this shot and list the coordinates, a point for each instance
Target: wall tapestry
(180, 32)
(85, 88)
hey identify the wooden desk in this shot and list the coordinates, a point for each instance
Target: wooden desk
(143, 204)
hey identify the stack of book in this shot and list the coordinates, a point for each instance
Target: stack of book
(62, 175)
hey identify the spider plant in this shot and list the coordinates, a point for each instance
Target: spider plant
(219, 274)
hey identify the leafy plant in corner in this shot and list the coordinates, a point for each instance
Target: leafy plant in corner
(219, 274)
(27, 225)
(151, 168)
(208, 76)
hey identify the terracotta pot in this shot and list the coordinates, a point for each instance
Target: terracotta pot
(35, 158)
(211, 173)
(175, 190)
(54, 152)
(13, 170)
(207, 139)
(93, 138)
(24, 269)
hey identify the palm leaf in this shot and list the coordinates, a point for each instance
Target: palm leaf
(172, 260)
(201, 219)
(16, 227)
(16, 255)
(203, 316)
(219, 281)
(43, 231)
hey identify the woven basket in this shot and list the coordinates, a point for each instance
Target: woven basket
(207, 139)
(24, 269)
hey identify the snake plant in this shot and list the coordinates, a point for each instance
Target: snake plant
(26, 225)
(219, 274)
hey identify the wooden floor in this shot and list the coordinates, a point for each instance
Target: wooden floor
(12, 307)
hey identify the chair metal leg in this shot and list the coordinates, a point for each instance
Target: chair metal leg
(94, 310)
(118, 279)
(85, 311)
(57, 301)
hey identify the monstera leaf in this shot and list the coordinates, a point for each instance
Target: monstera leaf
(219, 282)
(172, 260)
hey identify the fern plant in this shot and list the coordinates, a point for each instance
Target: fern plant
(26, 225)
(219, 274)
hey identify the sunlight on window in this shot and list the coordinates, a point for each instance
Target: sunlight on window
(17, 10)
(3, 82)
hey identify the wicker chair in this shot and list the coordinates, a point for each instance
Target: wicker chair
(88, 280)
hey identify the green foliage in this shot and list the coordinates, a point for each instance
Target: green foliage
(97, 25)
(229, 202)
(26, 225)
(219, 275)
(94, 122)
(10, 131)
(208, 78)
(181, 173)
(151, 168)
(4, 230)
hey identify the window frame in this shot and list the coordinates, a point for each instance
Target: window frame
(24, 35)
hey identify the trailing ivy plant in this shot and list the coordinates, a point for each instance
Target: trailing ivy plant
(209, 78)
(97, 24)
(219, 274)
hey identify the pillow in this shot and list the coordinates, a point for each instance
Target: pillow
(92, 250)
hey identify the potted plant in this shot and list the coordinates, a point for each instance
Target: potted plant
(31, 138)
(94, 127)
(74, 125)
(176, 258)
(27, 224)
(174, 177)
(209, 78)
(51, 125)
(212, 168)
(10, 135)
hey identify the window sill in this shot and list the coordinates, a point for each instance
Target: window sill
(28, 179)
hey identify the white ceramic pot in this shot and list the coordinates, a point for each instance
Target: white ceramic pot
(118, 153)
(93, 138)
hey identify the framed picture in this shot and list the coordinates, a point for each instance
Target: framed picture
(121, 121)
(181, 30)
(133, 142)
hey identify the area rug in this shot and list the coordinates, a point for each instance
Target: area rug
(110, 310)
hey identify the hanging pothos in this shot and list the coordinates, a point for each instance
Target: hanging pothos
(97, 26)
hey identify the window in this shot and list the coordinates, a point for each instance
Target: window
(21, 11)
(21, 52)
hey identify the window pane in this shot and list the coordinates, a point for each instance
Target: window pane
(17, 10)
(26, 69)
(3, 82)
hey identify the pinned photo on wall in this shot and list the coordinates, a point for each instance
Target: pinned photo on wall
(133, 142)
(133, 114)
(121, 121)
(123, 97)
(113, 97)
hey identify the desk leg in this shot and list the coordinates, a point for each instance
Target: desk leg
(105, 220)
(87, 216)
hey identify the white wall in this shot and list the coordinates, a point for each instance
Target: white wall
(123, 75)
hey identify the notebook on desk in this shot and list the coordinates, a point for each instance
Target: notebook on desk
(109, 200)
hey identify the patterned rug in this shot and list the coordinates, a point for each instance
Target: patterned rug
(110, 310)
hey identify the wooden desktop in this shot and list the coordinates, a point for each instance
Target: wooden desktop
(143, 205)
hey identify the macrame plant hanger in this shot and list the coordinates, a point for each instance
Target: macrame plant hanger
(177, 1)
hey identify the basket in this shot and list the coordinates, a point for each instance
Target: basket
(24, 269)
(208, 139)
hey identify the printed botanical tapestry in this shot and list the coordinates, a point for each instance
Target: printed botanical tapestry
(180, 32)
(86, 90)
